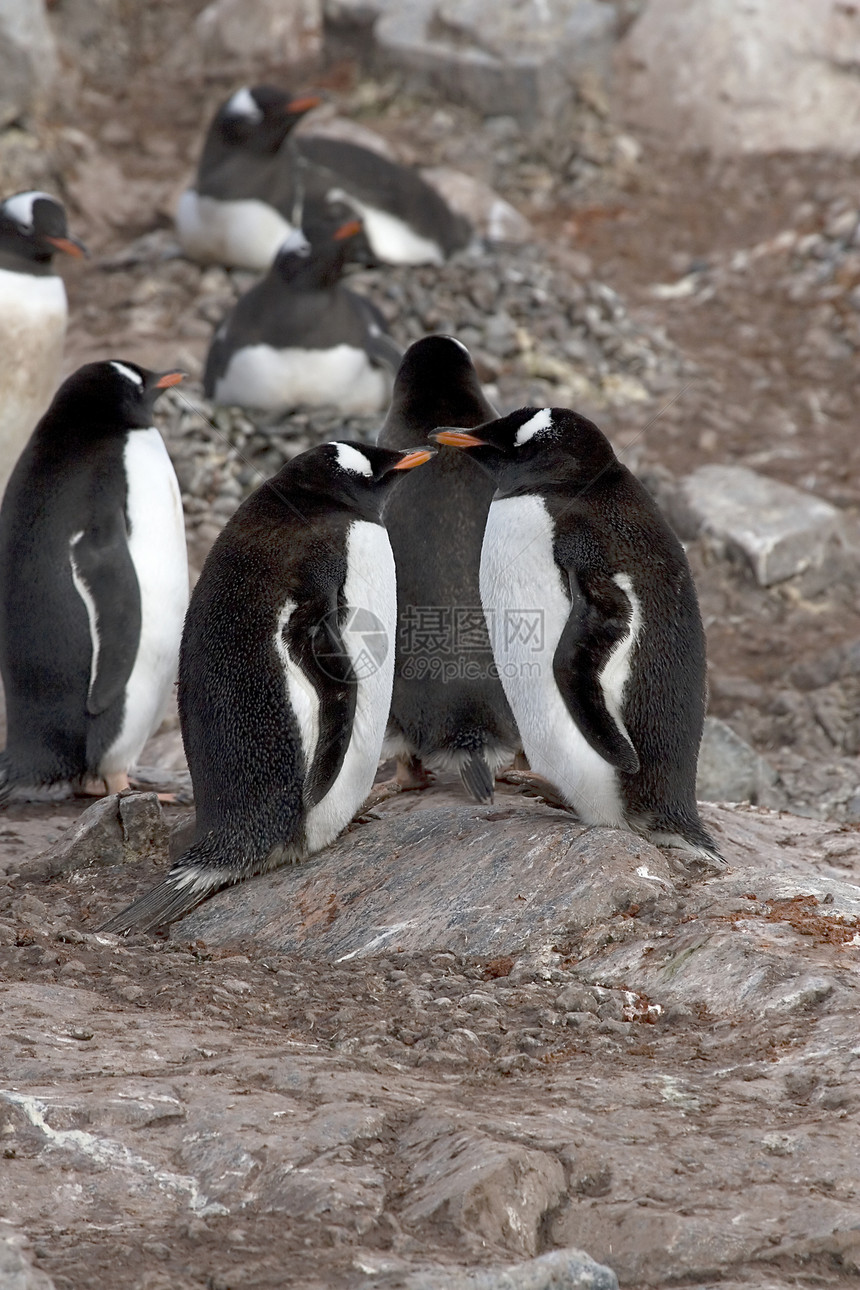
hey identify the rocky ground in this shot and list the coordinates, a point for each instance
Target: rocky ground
(410, 1060)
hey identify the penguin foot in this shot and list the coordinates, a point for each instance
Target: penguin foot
(536, 786)
(412, 774)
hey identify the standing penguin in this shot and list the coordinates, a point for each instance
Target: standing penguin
(93, 582)
(596, 627)
(448, 708)
(285, 672)
(243, 205)
(301, 337)
(33, 313)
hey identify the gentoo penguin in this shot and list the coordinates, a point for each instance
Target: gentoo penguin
(93, 582)
(448, 709)
(406, 220)
(301, 337)
(285, 672)
(595, 625)
(243, 204)
(32, 315)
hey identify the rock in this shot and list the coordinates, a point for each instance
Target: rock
(501, 1191)
(559, 1270)
(279, 31)
(120, 829)
(16, 1270)
(729, 769)
(736, 77)
(778, 530)
(528, 874)
(489, 214)
(28, 59)
(515, 60)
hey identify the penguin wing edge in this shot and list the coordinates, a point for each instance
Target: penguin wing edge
(598, 626)
(105, 578)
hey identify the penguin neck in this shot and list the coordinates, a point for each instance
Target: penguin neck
(15, 262)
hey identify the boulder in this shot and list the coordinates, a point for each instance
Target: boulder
(120, 829)
(729, 769)
(744, 76)
(271, 31)
(28, 58)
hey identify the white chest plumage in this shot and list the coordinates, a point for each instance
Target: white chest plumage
(156, 543)
(369, 585)
(527, 606)
(245, 234)
(391, 238)
(260, 376)
(33, 313)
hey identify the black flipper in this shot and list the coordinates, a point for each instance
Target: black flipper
(599, 618)
(477, 778)
(379, 344)
(101, 561)
(315, 641)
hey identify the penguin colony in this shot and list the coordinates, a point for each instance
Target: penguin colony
(297, 662)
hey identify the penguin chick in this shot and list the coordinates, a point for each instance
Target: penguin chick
(595, 625)
(93, 582)
(301, 337)
(242, 205)
(448, 708)
(285, 672)
(33, 313)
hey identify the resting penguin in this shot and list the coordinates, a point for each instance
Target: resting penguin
(33, 314)
(405, 219)
(301, 337)
(285, 672)
(448, 709)
(596, 626)
(93, 582)
(243, 204)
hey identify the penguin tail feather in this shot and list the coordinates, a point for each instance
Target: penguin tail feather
(195, 876)
(477, 778)
(701, 850)
(8, 777)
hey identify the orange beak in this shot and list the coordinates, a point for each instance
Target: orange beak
(168, 379)
(414, 459)
(70, 245)
(458, 439)
(304, 104)
(349, 229)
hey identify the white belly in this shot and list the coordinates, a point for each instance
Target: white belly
(244, 234)
(262, 377)
(392, 240)
(157, 546)
(370, 585)
(527, 606)
(33, 314)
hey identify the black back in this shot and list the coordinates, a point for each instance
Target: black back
(240, 157)
(66, 499)
(436, 526)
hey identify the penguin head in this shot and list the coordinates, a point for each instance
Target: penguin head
(355, 474)
(533, 441)
(258, 119)
(33, 227)
(115, 395)
(436, 384)
(317, 254)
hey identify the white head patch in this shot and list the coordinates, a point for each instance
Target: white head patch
(349, 458)
(535, 425)
(20, 207)
(128, 372)
(243, 104)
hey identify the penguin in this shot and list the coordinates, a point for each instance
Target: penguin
(33, 312)
(243, 205)
(93, 582)
(300, 336)
(406, 220)
(285, 672)
(448, 709)
(595, 625)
